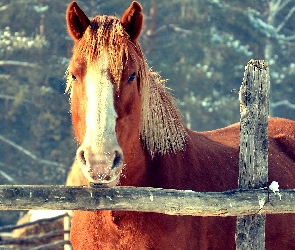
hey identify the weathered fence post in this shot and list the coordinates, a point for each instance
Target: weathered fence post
(253, 160)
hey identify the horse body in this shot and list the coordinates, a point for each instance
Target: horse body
(141, 141)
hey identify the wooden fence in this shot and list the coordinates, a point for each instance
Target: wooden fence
(252, 197)
(57, 237)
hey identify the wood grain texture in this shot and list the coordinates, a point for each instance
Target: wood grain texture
(253, 157)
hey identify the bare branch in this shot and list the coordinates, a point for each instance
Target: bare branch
(281, 103)
(5, 76)
(18, 63)
(283, 4)
(5, 7)
(288, 38)
(6, 176)
(282, 24)
(10, 97)
(169, 27)
(274, 6)
(28, 153)
(277, 5)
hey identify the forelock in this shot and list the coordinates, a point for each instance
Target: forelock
(104, 36)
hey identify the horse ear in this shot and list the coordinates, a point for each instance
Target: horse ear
(132, 20)
(77, 21)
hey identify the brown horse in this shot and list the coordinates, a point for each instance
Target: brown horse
(131, 134)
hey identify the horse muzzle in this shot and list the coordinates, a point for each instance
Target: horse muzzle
(101, 169)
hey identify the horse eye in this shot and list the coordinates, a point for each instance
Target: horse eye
(131, 77)
(74, 78)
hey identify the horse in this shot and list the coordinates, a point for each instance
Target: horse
(131, 133)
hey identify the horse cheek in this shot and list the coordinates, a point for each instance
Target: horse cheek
(127, 110)
(123, 121)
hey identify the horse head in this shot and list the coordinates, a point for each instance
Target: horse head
(103, 78)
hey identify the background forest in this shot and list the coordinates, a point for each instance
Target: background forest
(201, 46)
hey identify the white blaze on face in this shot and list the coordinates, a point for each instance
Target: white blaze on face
(101, 115)
(100, 156)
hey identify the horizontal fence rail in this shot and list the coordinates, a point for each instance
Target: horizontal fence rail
(167, 201)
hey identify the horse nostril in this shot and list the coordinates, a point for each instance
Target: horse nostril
(107, 178)
(81, 157)
(117, 160)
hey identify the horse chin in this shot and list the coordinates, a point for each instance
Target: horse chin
(110, 182)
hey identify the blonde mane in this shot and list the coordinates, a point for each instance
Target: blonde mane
(162, 129)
